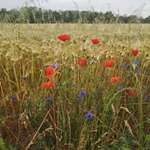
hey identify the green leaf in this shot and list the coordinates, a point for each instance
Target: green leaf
(147, 138)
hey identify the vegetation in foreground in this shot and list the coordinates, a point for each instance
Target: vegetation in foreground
(85, 89)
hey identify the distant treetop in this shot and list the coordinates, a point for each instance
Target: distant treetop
(38, 15)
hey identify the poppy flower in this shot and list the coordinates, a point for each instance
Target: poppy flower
(108, 63)
(131, 93)
(48, 85)
(64, 37)
(89, 116)
(82, 62)
(95, 41)
(115, 80)
(135, 52)
(49, 72)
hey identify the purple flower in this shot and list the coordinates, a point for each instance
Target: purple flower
(82, 94)
(89, 116)
(55, 66)
(49, 100)
(13, 98)
(136, 68)
(135, 62)
(146, 97)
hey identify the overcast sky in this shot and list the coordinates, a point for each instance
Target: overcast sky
(128, 7)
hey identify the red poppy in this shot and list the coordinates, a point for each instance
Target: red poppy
(48, 85)
(135, 52)
(132, 93)
(64, 37)
(49, 72)
(115, 80)
(82, 62)
(108, 63)
(95, 41)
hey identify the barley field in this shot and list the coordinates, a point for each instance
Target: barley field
(74, 87)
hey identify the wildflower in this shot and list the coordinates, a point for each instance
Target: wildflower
(146, 97)
(64, 37)
(135, 52)
(115, 80)
(89, 116)
(55, 66)
(49, 72)
(49, 100)
(48, 85)
(131, 93)
(82, 62)
(95, 41)
(13, 98)
(108, 63)
(135, 62)
(82, 94)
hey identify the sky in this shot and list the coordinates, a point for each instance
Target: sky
(122, 7)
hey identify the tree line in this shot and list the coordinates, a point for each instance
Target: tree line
(38, 15)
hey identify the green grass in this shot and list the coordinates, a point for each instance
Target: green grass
(29, 121)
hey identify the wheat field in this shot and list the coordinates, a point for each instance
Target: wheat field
(74, 94)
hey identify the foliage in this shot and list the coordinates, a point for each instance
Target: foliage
(85, 109)
(38, 15)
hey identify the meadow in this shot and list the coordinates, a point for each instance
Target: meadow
(74, 87)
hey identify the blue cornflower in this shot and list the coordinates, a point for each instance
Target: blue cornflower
(89, 116)
(82, 94)
(13, 98)
(135, 62)
(55, 66)
(146, 97)
(49, 100)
